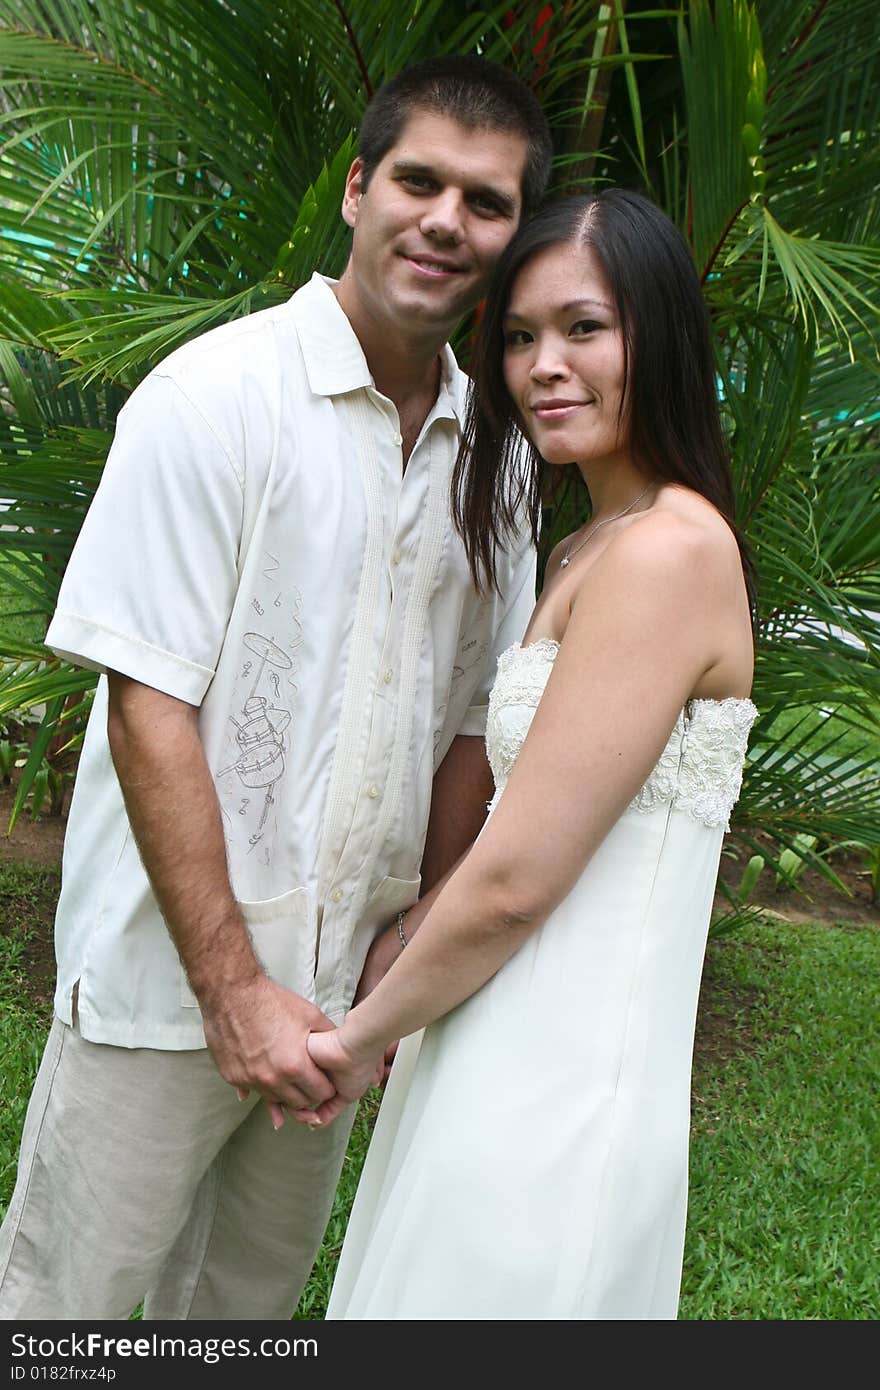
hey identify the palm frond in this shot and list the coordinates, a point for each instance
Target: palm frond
(725, 82)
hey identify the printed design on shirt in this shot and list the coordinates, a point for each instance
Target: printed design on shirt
(471, 653)
(263, 723)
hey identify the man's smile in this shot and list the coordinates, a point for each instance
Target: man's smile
(435, 267)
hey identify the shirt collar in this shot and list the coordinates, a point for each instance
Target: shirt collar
(334, 359)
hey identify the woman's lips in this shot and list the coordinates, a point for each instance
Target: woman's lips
(557, 410)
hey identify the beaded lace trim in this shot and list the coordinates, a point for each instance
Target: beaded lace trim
(700, 769)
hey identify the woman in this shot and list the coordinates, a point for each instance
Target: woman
(530, 1158)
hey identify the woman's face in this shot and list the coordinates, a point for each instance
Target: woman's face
(564, 357)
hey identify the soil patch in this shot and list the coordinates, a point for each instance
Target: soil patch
(39, 840)
(34, 840)
(813, 898)
(723, 1023)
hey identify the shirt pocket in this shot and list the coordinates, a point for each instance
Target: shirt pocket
(283, 932)
(392, 895)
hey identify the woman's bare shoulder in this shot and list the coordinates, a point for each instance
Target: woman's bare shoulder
(676, 572)
(691, 509)
(684, 534)
(678, 557)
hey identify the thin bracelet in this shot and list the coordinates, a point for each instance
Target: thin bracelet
(400, 932)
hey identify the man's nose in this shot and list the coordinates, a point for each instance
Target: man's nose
(444, 216)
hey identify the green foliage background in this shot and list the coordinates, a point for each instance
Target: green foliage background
(166, 165)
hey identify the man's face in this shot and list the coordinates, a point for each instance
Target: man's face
(438, 211)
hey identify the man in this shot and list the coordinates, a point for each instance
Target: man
(293, 646)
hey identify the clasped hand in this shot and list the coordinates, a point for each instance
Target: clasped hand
(327, 1050)
(349, 1078)
(265, 1038)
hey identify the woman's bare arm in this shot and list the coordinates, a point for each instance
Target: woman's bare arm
(647, 623)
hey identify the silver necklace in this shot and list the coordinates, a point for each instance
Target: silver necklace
(569, 554)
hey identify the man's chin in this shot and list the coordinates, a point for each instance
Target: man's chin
(431, 312)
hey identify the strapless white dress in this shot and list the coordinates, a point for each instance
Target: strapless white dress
(530, 1157)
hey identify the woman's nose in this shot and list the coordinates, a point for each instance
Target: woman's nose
(549, 363)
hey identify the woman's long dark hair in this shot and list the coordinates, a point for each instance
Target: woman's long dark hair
(674, 424)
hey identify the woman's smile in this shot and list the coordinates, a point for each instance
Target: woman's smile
(557, 409)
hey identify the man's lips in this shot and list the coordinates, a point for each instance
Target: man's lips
(433, 267)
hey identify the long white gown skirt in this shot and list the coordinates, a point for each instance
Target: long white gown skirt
(529, 1160)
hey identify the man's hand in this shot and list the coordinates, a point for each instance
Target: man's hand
(257, 1034)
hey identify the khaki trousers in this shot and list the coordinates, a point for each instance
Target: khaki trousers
(142, 1176)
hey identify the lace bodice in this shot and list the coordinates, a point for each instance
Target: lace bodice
(700, 769)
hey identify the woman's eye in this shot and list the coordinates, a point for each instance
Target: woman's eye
(517, 337)
(584, 327)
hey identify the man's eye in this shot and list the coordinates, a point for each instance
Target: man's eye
(488, 206)
(420, 181)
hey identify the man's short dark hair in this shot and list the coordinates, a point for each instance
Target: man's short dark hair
(473, 91)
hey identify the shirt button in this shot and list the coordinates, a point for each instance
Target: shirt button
(336, 895)
(395, 558)
(373, 792)
(398, 438)
(388, 676)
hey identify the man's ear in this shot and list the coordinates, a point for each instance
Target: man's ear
(353, 192)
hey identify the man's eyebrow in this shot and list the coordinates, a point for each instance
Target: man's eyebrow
(506, 203)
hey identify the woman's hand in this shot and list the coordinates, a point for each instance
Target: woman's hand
(351, 1076)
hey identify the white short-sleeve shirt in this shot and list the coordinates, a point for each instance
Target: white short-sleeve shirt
(256, 549)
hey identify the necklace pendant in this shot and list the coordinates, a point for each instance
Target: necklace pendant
(563, 562)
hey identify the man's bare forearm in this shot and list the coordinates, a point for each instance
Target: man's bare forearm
(175, 816)
(462, 786)
(256, 1030)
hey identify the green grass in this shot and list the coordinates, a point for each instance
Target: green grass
(857, 735)
(15, 622)
(784, 1219)
(316, 1293)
